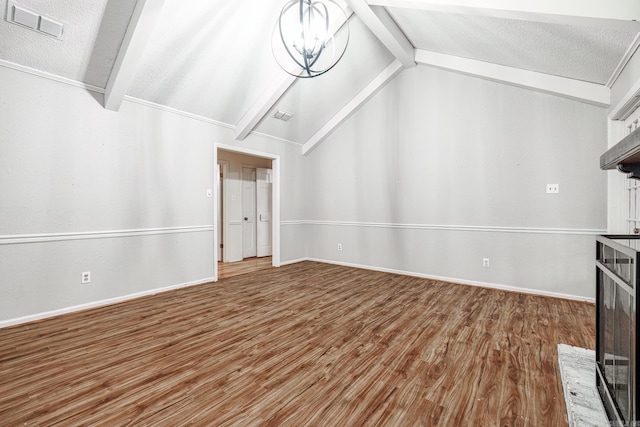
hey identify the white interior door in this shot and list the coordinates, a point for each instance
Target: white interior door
(248, 213)
(263, 206)
(219, 226)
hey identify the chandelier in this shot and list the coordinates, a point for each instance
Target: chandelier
(305, 40)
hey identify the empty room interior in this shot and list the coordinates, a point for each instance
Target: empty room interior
(317, 213)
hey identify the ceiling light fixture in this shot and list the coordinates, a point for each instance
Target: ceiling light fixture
(305, 40)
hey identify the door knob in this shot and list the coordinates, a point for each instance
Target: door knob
(246, 219)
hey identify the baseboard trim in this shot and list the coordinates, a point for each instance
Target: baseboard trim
(459, 281)
(293, 261)
(100, 303)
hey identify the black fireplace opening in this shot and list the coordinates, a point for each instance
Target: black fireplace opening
(616, 325)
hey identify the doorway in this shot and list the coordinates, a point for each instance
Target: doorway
(256, 212)
(260, 204)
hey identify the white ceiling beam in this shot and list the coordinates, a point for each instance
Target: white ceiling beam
(612, 14)
(576, 90)
(272, 94)
(145, 16)
(261, 107)
(352, 106)
(382, 25)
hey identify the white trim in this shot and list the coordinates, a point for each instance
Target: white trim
(460, 281)
(16, 239)
(176, 111)
(101, 303)
(248, 151)
(352, 106)
(477, 228)
(49, 76)
(143, 20)
(224, 169)
(202, 118)
(293, 261)
(576, 90)
(275, 138)
(294, 222)
(627, 104)
(620, 15)
(382, 25)
(262, 105)
(275, 200)
(96, 89)
(624, 61)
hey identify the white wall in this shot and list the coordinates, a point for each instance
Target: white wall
(440, 170)
(120, 194)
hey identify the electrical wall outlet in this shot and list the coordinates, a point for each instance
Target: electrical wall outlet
(339, 246)
(86, 277)
(485, 262)
(553, 188)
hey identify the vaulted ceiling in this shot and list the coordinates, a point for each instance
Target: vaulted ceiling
(213, 59)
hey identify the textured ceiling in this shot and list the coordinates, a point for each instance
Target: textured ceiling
(315, 101)
(213, 58)
(580, 53)
(89, 44)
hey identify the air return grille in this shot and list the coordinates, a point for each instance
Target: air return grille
(33, 20)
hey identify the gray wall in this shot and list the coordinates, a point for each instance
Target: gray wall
(436, 172)
(440, 170)
(120, 194)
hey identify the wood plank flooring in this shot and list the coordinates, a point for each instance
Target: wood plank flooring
(307, 344)
(249, 265)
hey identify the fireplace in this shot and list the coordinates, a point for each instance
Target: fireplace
(616, 323)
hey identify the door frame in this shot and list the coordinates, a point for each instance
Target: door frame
(224, 168)
(275, 202)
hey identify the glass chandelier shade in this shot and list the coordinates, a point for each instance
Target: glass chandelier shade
(310, 37)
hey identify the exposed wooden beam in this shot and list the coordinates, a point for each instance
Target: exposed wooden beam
(271, 95)
(145, 16)
(378, 20)
(613, 14)
(577, 90)
(352, 106)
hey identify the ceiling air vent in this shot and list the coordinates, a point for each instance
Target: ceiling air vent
(33, 20)
(282, 115)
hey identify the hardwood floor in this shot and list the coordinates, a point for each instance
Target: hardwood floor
(307, 344)
(249, 265)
